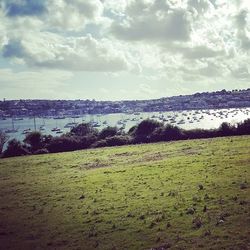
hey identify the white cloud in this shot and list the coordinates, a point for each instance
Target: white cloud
(243, 29)
(153, 21)
(200, 5)
(73, 15)
(161, 41)
(72, 53)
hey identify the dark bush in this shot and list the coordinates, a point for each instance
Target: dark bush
(99, 144)
(47, 139)
(243, 128)
(34, 140)
(41, 151)
(199, 133)
(157, 135)
(172, 133)
(63, 144)
(167, 133)
(83, 129)
(226, 129)
(118, 140)
(132, 130)
(15, 148)
(108, 132)
(144, 130)
(87, 141)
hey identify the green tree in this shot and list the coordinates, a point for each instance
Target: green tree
(83, 129)
(226, 129)
(243, 128)
(145, 129)
(108, 132)
(34, 139)
(15, 148)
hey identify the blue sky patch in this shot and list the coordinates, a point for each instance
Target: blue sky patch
(25, 7)
(13, 49)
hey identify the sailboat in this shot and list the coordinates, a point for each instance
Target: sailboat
(71, 124)
(26, 131)
(42, 127)
(12, 130)
(57, 130)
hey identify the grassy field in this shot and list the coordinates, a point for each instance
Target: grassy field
(182, 195)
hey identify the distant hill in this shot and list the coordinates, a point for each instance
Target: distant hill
(206, 100)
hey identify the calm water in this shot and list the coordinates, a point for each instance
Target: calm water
(185, 119)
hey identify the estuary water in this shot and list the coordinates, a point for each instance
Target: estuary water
(206, 119)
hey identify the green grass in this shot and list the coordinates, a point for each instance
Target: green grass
(132, 197)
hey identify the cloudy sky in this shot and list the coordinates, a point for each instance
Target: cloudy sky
(122, 49)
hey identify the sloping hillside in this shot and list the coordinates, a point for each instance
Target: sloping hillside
(178, 195)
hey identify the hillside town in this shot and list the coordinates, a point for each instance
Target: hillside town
(65, 108)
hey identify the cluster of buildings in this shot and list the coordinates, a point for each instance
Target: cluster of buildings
(61, 108)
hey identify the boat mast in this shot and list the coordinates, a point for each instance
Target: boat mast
(34, 123)
(13, 128)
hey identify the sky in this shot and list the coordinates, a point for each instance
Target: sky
(122, 49)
